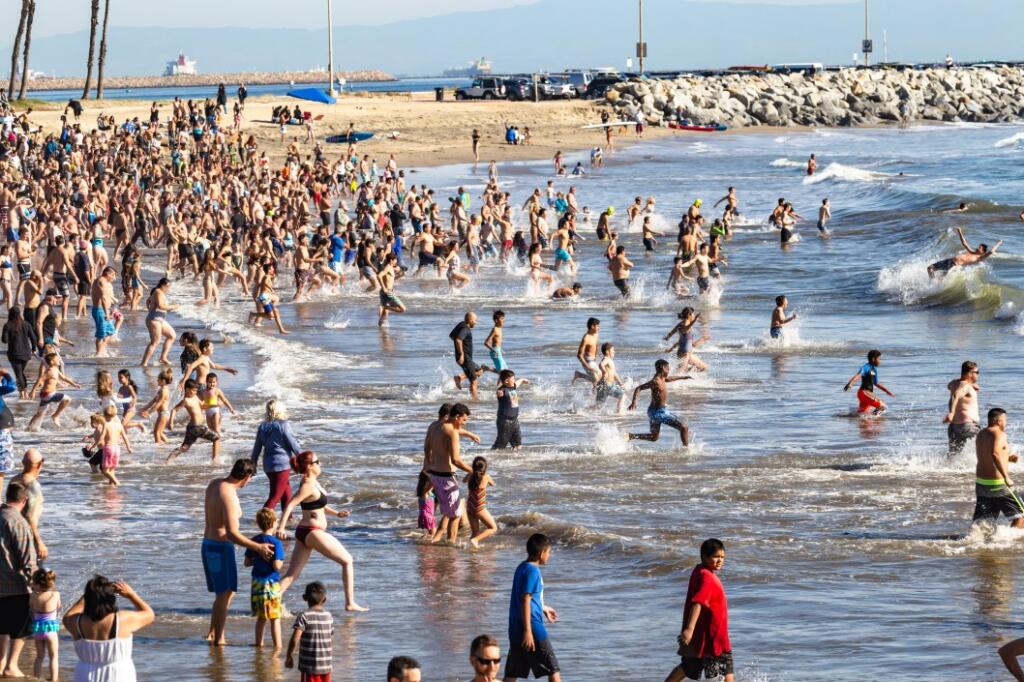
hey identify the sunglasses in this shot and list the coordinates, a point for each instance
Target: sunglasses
(488, 661)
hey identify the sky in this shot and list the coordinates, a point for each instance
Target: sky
(64, 16)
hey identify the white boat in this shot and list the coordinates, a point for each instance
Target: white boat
(182, 66)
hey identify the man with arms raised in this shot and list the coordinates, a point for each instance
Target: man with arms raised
(969, 257)
(222, 513)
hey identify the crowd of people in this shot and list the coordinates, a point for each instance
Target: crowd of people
(192, 196)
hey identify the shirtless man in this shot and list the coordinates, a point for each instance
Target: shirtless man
(587, 353)
(48, 384)
(824, 215)
(964, 422)
(703, 263)
(779, 319)
(619, 266)
(567, 292)
(561, 242)
(386, 281)
(102, 300)
(993, 486)
(61, 260)
(196, 428)
(971, 257)
(730, 199)
(657, 413)
(426, 242)
(812, 165)
(440, 460)
(23, 250)
(222, 511)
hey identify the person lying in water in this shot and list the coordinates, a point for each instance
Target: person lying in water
(969, 257)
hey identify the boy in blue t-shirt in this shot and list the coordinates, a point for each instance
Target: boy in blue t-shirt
(529, 647)
(266, 579)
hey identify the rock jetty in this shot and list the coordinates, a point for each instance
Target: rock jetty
(211, 79)
(850, 97)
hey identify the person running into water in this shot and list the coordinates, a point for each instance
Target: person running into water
(685, 357)
(462, 339)
(610, 383)
(196, 428)
(993, 485)
(493, 341)
(971, 257)
(824, 215)
(657, 412)
(779, 317)
(868, 375)
(704, 645)
(587, 353)
(963, 416)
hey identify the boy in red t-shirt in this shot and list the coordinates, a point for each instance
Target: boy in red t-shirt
(704, 640)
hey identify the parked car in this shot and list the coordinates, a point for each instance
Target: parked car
(553, 87)
(519, 88)
(482, 88)
(579, 80)
(601, 84)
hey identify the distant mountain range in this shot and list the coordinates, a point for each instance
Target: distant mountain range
(555, 34)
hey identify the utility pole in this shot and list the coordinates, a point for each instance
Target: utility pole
(641, 47)
(867, 41)
(330, 50)
(885, 46)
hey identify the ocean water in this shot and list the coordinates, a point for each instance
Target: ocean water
(849, 549)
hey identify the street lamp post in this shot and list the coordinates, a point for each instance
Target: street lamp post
(641, 46)
(867, 40)
(330, 50)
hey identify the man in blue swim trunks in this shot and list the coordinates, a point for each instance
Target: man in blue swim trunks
(102, 300)
(222, 514)
(657, 412)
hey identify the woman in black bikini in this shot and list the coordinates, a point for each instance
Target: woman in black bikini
(311, 533)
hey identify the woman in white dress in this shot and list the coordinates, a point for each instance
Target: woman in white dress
(103, 634)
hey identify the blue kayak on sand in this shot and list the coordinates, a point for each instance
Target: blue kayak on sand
(346, 138)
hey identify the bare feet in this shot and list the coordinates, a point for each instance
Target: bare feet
(458, 382)
(356, 607)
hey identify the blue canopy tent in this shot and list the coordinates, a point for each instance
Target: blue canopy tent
(312, 95)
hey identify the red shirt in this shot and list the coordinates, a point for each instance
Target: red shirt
(711, 636)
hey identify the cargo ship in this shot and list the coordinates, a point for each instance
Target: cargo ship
(480, 67)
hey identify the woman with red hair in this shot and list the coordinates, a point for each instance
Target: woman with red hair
(311, 533)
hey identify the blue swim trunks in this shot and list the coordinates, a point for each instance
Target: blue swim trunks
(104, 327)
(219, 566)
(776, 332)
(498, 359)
(561, 255)
(661, 415)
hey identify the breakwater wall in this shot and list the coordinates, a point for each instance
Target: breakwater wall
(211, 79)
(850, 97)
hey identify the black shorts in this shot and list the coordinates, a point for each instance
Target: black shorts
(509, 433)
(60, 281)
(623, 286)
(995, 500)
(83, 287)
(541, 661)
(194, 432)
(943, 265)
(470, 369)
(15, 616)
(786, 235)
(714, 666)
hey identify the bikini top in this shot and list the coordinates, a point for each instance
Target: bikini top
(318, 503)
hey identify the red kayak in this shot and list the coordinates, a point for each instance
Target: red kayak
(699, 129)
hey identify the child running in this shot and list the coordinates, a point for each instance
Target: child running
(265, 597)
(657, 412)
(45, 605)
(685, 357)
(110, 439)
(128, 397)
(868, 375)
(160, 404)
(493, 341)
(196, 428)
(211, 398)
(312, 634)
(610, 383)
(476, 505)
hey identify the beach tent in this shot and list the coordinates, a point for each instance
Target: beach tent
(313, 95)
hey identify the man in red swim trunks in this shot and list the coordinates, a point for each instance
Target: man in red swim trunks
(868, 375)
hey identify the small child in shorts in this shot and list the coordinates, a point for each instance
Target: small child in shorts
(94, 451)
(266, 579)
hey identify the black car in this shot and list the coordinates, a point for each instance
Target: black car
(601, 84)
(519, 88)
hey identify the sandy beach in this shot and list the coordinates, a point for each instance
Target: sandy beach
(430, 133)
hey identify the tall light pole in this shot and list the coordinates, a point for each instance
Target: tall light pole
(330, 50)
(641, 47)
(867, 40)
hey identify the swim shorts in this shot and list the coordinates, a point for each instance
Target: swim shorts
(111, 456)
(387, 299)
(703, 283)
(104, 327)
(470, 369)
(776, 332)
(821, 227)
(427, 258)
(447, 489)
(265, 599)
(943, 265)
(6, 452)
(541, 661)
(648, 244)
(50, 398)
(661, 415)
(604, 391)
(219, 566)
(623, 286)
(194, 432)
(15, 616)
(786, 235)
(60, 281)
(712, 666)
(24, 270)
(498, 359)
(993, 499)
(959, 434)
(867, 401)
(561, 255)
(509, 433)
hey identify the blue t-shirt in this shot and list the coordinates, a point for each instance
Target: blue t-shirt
(527, 581)
(337, 248)
(262, 569)
(868, 377)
